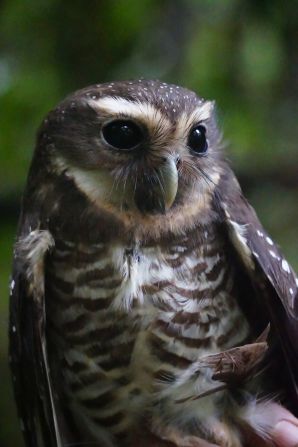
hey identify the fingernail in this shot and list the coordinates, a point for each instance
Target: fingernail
(286, 433)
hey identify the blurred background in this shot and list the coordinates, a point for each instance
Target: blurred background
(242, 53)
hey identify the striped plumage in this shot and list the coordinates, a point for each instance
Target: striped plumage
(142, 280)
(129, 323)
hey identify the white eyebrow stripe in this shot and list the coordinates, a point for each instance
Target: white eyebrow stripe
(201, 113)
(134, 109)
(116, 104)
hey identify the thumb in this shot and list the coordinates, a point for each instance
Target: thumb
(285, 433)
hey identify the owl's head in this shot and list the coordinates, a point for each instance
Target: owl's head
(136, 148)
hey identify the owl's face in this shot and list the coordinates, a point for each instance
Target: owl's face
(143, 148)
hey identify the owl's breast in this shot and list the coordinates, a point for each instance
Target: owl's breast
(127, 325)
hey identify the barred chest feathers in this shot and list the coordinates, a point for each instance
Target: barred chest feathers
(129, 325)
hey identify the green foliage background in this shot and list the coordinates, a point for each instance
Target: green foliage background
(241, 53)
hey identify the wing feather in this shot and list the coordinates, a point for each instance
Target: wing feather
(269, 272)
(28, 354)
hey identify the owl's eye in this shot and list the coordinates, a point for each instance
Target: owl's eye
(197, 141)
(122, 134)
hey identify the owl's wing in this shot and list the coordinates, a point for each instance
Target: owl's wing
(270, 274)
(28, 354)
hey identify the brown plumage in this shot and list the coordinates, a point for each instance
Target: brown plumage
(143, 281)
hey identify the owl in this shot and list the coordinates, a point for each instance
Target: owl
(148, 304)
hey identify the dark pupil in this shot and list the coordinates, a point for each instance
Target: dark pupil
(122, 134)
(197, 140)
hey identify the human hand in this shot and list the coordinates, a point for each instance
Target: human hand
(285, 433)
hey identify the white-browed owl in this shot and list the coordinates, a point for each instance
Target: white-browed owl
(148, 304)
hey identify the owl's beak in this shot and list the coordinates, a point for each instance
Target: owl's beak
(169, 178)
(156, 192)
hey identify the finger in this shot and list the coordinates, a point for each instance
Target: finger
(284, 431)
(280, 426)
(285, 434)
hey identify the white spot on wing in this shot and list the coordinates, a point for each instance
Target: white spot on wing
(259, 233)
(291, 291)
(285, 266)
(270, 241)
(274, 255)
(12, 286)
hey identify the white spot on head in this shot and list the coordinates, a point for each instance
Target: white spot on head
(270, 241)
(260, 233)
(285, 266)
(14, 329)
(291, 291)
(206, 234)
(174, 110)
